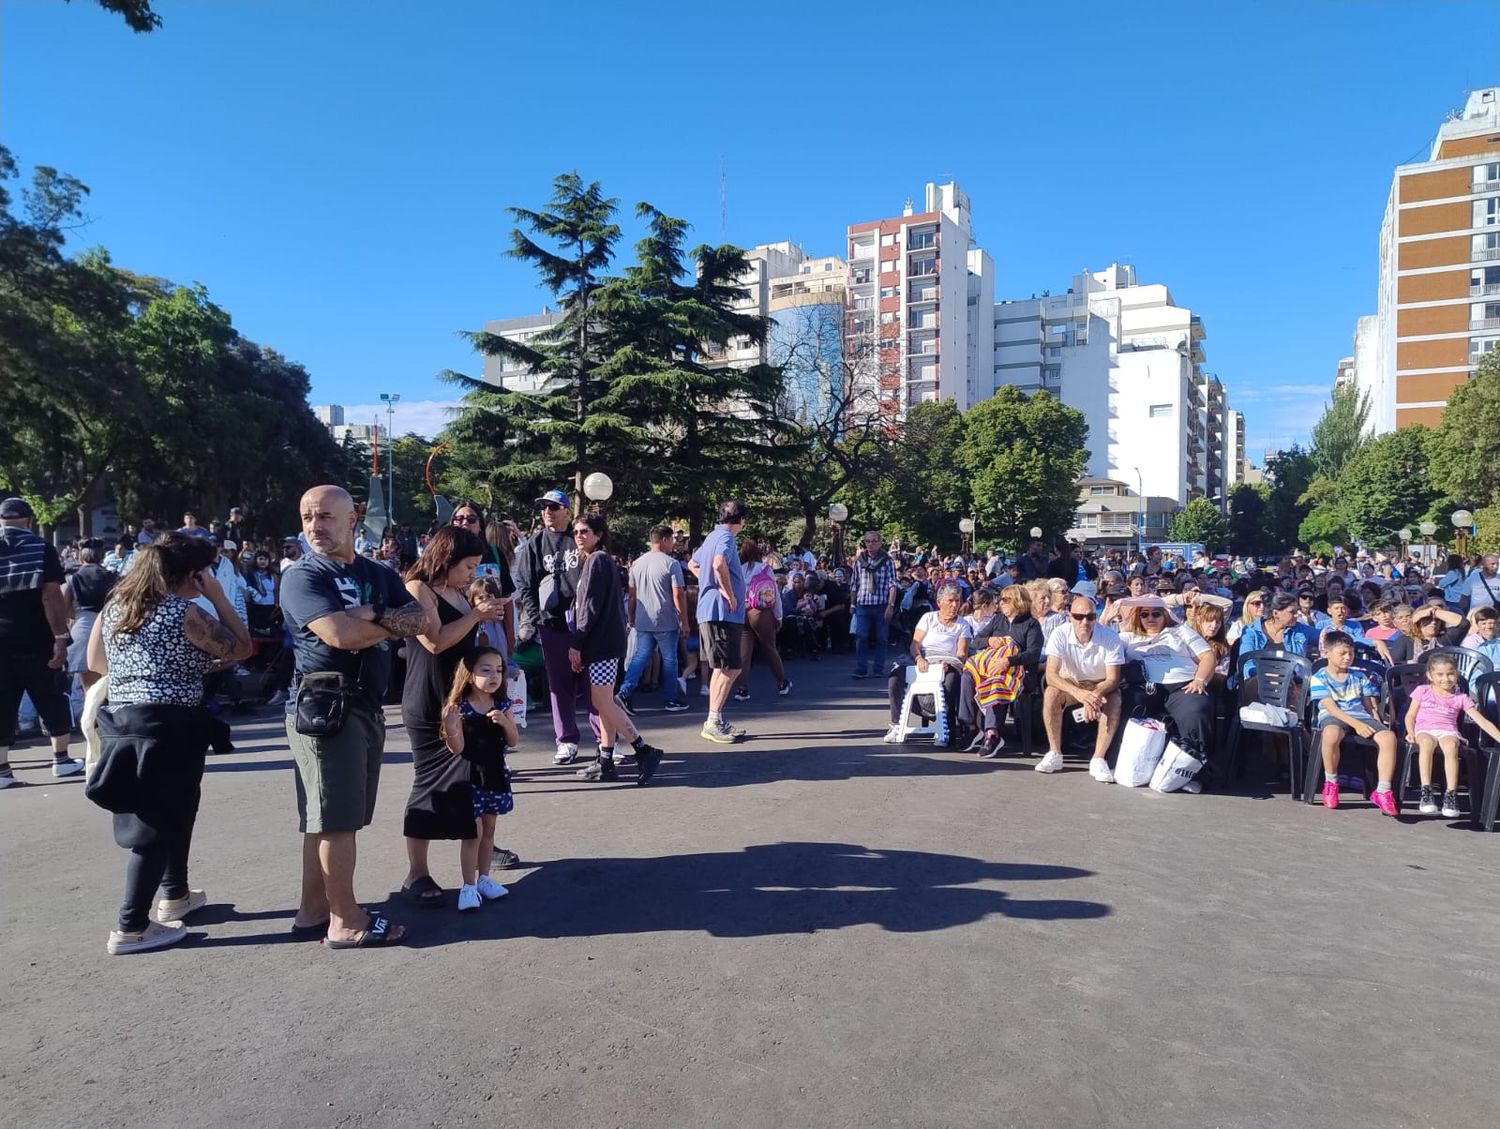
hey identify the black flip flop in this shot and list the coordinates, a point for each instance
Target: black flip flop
(424, 892)
(376, 936)
(310, 931)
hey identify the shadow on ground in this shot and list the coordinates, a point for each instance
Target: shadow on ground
(764, 890)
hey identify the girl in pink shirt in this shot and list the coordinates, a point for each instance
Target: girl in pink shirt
(1432, 721)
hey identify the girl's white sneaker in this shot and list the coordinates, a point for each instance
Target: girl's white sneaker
(489, 889)
(468, 897)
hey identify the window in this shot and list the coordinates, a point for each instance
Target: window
(922, 239)
(1101, 490)
(924, 266)
(1487, 212)
(1160, 411)
(1054, 353)
(1484, 280)
(1487, 173)
(887, 291)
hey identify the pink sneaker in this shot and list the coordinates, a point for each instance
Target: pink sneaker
(1330, 794)
(1385, 801)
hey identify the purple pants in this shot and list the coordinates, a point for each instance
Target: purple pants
(564, 686)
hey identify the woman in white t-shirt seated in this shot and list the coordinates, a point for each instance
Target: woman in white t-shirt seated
(1179, 667)
(941, 637)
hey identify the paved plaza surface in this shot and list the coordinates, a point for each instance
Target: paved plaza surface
(808, 929)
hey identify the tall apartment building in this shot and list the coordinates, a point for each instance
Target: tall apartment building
(920, 296)
(512, 375)
(1131, 361)
(1439, 297)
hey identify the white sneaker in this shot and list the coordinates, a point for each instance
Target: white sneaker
(974, 744)
(893, 735)
(178, 909)
(154, 936)
(468, 897)
(8, 780)
(70, 767)
(1099, 770)
(1052, 762)
(567, 753)
(489, 889)
(1192, 787)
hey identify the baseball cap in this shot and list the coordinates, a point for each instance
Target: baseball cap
(557, 498)
(15, 508)
(228, 546)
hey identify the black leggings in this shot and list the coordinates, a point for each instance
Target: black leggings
(161, 864)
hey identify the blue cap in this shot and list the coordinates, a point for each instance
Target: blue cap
(557, 497)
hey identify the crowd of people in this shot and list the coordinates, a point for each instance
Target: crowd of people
(165, 629)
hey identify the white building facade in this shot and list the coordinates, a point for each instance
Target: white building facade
(1131, 360)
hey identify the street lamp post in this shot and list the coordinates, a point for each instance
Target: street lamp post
(966, 535)
(1462, 520)
(389, 399)
(598, 488)
(1140, 512)
(838, 513)
(1405, 536)
(1427, 529)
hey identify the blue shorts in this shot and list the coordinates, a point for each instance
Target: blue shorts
(492, 803)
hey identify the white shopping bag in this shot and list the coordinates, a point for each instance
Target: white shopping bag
(1141, 747)
(515, 687)
(1177, 768)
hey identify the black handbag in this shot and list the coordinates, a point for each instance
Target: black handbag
(323, 703)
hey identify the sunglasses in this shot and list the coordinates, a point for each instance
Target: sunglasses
(548, 507)
(1083, 618)
(1152, 613)
(465, 519)
(582, 532)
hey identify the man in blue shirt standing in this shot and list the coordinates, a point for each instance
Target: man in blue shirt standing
(721, 615)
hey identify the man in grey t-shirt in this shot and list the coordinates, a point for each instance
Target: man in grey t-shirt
(658, 613)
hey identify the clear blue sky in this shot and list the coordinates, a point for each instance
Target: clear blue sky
(336, 173)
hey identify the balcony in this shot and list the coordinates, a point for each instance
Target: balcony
(1481, 186)
(1482, 291)
(1197, 328)
(925, 347)
(921, 268)
(930, 294)
(922, 241)
(1484, 255)
(1484, 323)
(860, 277)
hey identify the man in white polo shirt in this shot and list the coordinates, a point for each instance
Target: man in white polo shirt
(1084, 666)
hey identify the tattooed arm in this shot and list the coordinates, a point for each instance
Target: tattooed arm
(216, 638)
(405, 621)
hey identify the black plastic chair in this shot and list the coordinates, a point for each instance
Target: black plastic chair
(1280, 679)
(1400, 684)
(1366, 746)
(1486, 695)
(1471, 664)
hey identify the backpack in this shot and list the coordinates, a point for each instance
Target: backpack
(761, 591)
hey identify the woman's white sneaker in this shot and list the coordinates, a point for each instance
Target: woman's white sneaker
(170, 909)
(1099, 770)
(468, 897)
(567, 753)
(154, 936)
(893, 735)
(1052, 762)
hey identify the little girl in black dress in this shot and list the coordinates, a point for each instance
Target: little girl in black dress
(477, 727)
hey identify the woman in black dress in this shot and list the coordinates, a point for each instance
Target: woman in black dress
(441, 805)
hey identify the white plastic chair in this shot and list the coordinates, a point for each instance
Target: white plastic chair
(929, 683)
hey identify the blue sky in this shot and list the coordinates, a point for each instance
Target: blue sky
(336, 173)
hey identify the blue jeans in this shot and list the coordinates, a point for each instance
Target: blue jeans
(647, 642)
(871, 633)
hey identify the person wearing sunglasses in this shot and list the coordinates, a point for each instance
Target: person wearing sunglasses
(1250, 611)
(1179, 668)
(546, 580)
(1085, 663)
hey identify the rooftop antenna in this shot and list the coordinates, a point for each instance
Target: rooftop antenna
(723, 201)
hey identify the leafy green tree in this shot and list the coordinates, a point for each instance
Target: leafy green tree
(137, 14)
(1022, 456)
(1387, 486)
(570, 244)
(1247, 518)
(920, 487)
(1339, 434)
(687, 428)
(1200, 521)
(1464, 450)
(1323, 529)
(1289, 476)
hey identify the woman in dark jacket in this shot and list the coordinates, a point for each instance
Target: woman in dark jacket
(1013, 621)
(599, 645)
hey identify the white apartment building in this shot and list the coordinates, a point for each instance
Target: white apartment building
(331, 416)
(1439, 294)
(1131, 361)
(919, 297)
(512, 375)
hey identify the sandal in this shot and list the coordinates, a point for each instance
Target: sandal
(424, 892)
(318, 929)
(379, 933)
